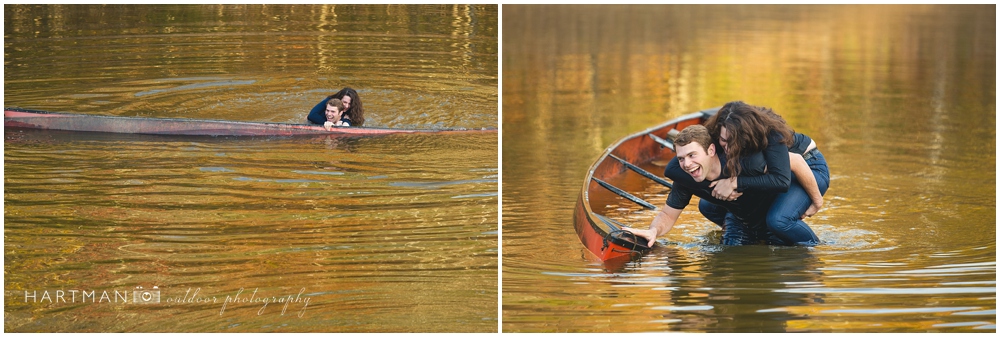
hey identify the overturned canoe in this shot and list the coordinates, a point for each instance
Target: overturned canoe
(629, 165)
(33, 119)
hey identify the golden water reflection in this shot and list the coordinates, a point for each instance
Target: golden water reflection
(384, 234)
(900, 99)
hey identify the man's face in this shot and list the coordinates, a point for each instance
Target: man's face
(695, 160)
(332, 113)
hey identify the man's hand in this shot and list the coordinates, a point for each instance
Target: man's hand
(328, 125)
(648, 234)
(661, 224)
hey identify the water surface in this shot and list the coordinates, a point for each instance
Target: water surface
(900, 99)
(414, 66)
(320, 234)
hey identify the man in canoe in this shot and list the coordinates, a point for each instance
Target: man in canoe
(694, 170)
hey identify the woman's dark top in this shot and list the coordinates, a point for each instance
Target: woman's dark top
(779, 169)
(318, 114)
(801, 143)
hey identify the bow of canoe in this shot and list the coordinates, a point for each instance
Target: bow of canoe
(626, 167)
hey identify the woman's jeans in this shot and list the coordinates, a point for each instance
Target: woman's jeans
(783, 219)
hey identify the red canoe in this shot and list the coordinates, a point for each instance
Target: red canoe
(629, 165)
(32, 119)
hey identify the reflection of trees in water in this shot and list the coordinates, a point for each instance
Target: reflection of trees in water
(733, 289)
(345, 28)
(256, 62)
(744, 280)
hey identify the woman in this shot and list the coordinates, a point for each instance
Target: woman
(742, 130)
(354, 111)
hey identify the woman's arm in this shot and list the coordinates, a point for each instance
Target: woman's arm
(318, 113)
(779, 171)
(776, 177)
(808, 181)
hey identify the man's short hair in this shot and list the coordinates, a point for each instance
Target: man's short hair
(336, 102)
(694, 133)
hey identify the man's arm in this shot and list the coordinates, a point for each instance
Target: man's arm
(662, 223)
(804, 175)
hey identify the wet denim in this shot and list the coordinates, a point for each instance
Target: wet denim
(740, 233)
(713, 212)
(783, 224)
(783, 219)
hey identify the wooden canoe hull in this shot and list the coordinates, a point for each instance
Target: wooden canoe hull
(609, 244)
(32, 119)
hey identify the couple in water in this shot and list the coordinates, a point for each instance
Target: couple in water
(340, 109)
(756, 177)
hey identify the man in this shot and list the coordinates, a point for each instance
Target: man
(335, 114)
(696, 166)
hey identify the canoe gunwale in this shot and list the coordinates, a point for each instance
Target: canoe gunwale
(37, 119)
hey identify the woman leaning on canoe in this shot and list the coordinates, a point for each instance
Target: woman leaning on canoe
(354, 112)
(742, 129)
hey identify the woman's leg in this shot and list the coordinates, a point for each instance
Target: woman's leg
(783, 219)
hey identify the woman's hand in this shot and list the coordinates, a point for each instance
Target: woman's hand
(813, 209)
(725, 189)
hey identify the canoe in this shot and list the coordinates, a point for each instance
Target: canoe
(34, 119)
(627, 167)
